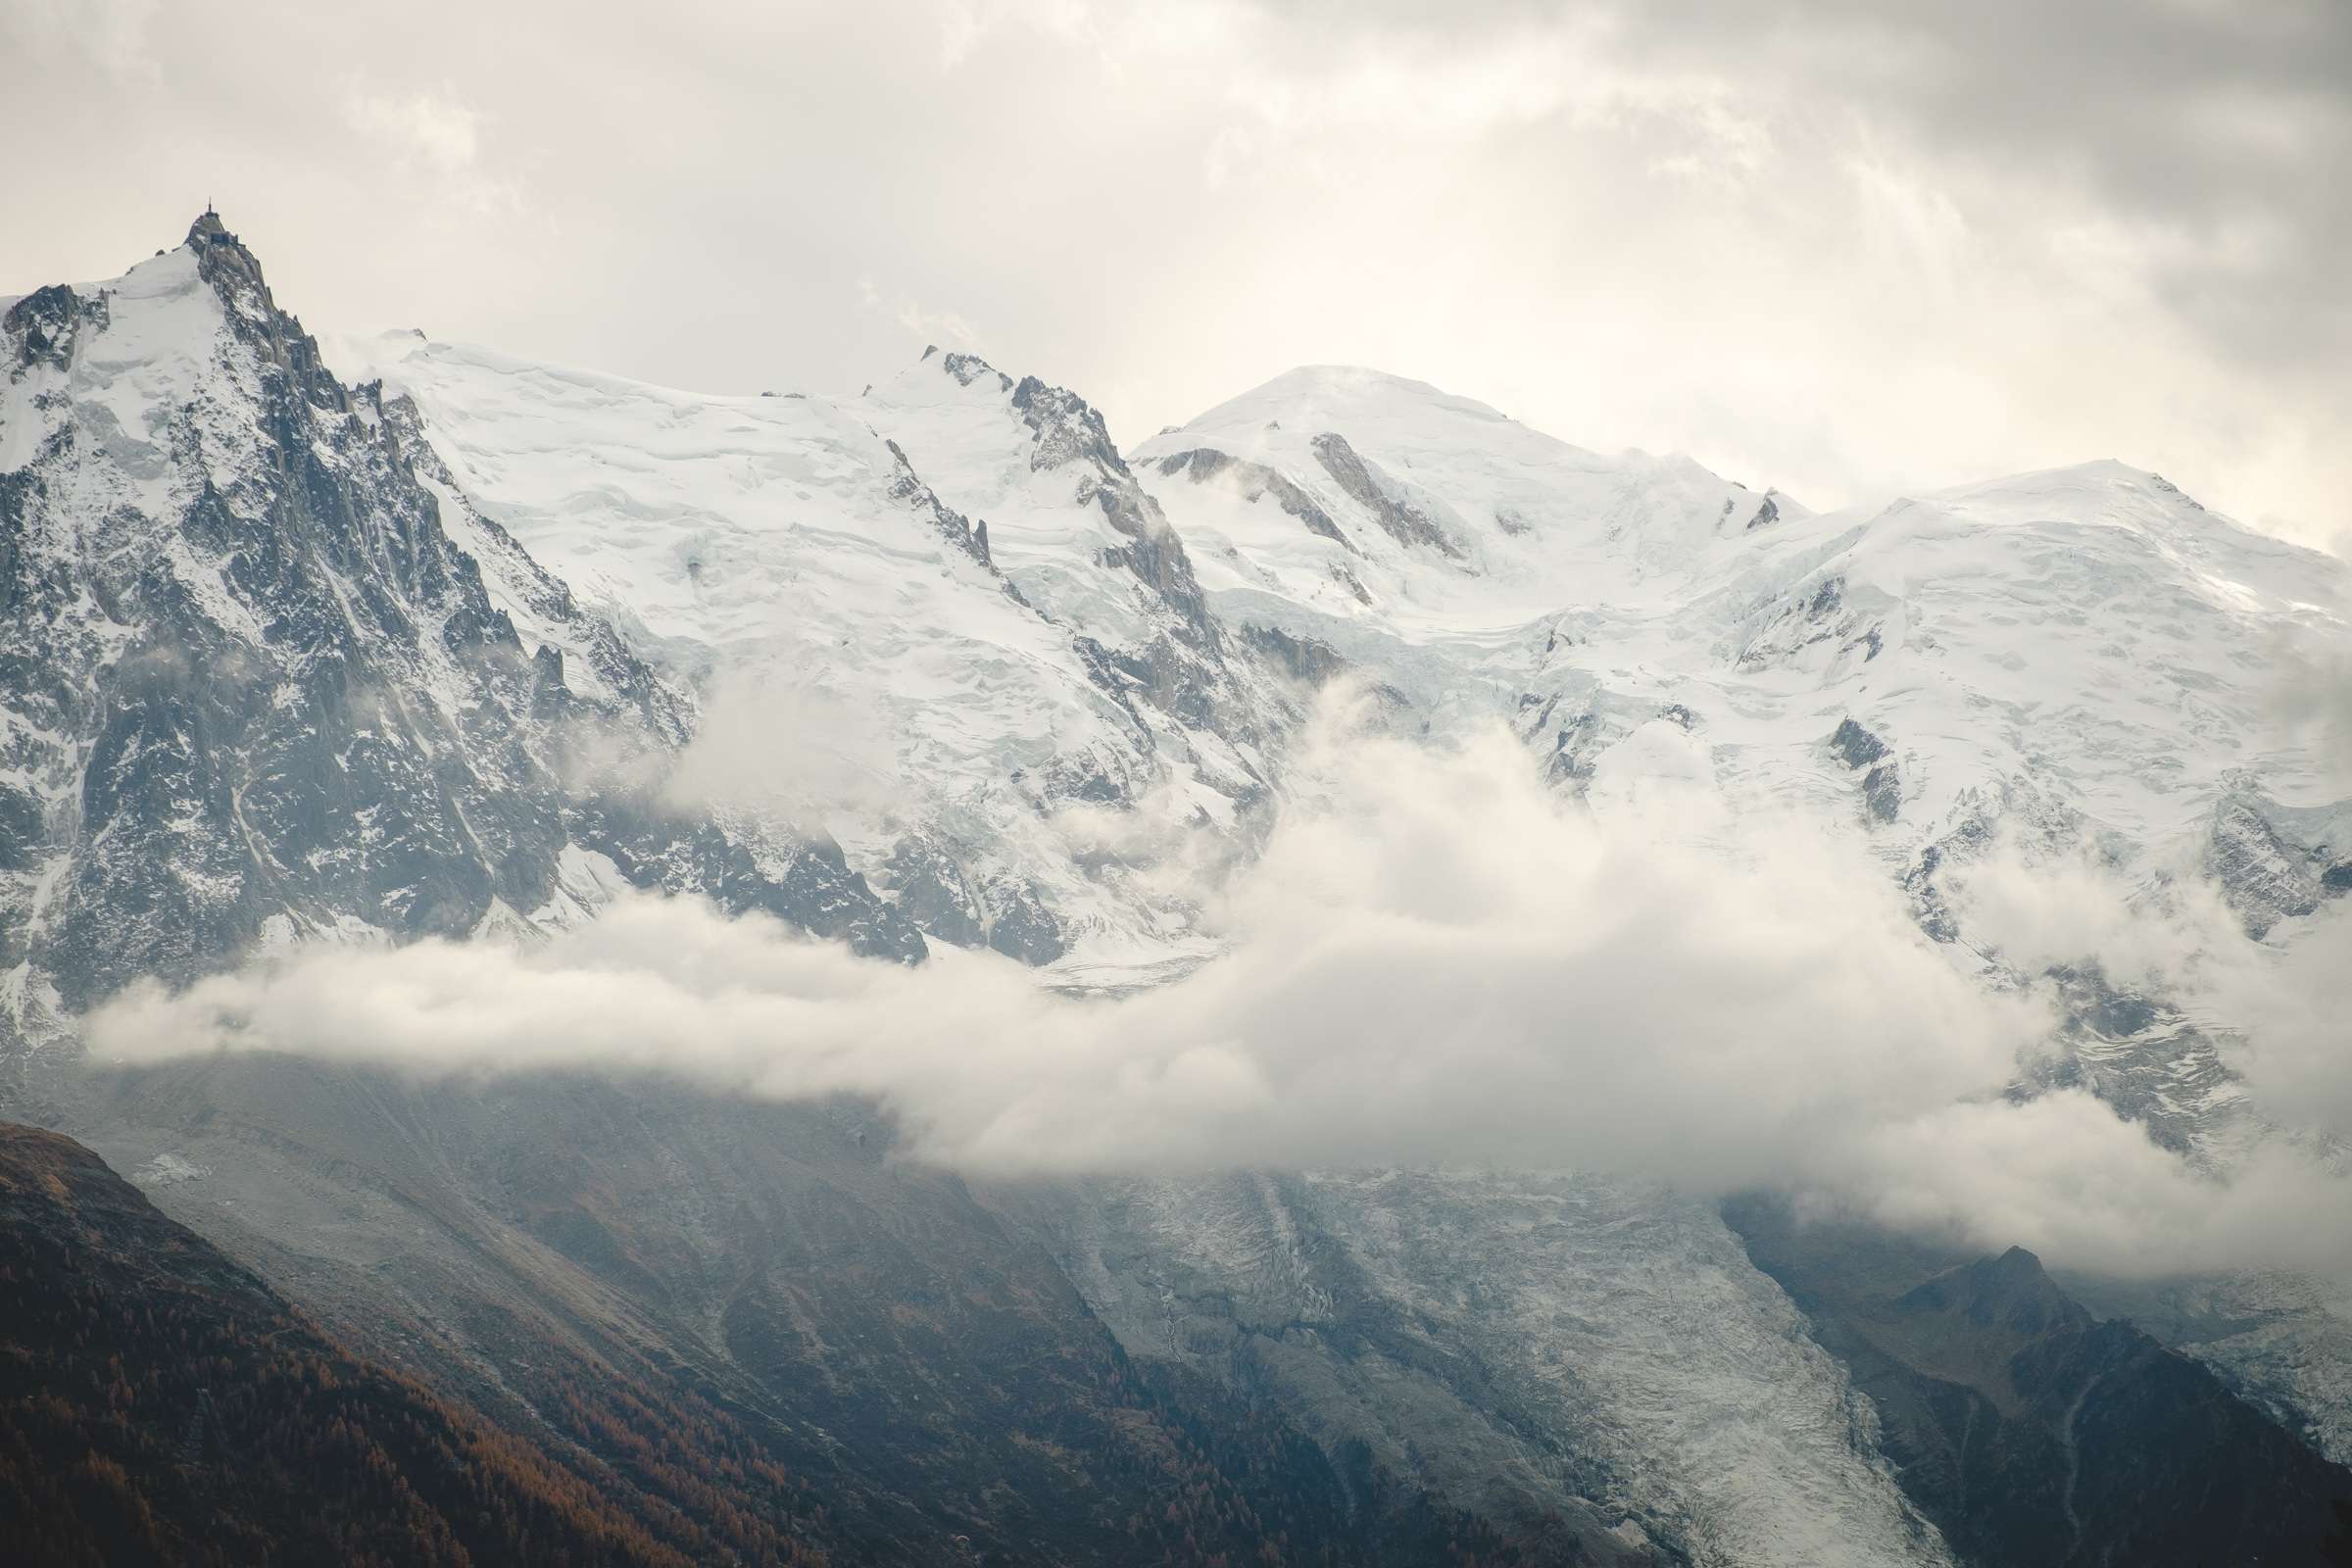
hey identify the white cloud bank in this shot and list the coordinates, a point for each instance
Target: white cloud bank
(1440, 961)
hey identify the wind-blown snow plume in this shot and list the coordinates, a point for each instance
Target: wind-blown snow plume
(1436, 960)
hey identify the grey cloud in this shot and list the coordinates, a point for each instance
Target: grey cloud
(2224, 127)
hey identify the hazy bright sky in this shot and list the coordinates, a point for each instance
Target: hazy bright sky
(1842, 246)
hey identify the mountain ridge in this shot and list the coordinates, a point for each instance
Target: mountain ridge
(912, 650)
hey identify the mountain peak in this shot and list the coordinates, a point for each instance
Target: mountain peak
(1347, 378)
(921, 380)
(207, 229)
(2011, 1288)
(1365, 403)
(1357, 387)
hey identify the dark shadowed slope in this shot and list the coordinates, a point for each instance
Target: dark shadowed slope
(160, 1404)
(2033, 1433)
(915, 1360)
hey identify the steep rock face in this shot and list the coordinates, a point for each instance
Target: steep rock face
(1380, 497)
(2281, 1340)
(255, 690)
(2276, 863)
(2031, 1431)
(1082, 538)
(1185, 652)
(1204, 465)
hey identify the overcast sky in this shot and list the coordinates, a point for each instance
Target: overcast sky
(1842, 246)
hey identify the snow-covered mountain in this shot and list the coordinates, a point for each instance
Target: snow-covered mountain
(2088, 636)
(986, 626)
(264, 686)
(966, 567)
(2083, 656)
(395, 637)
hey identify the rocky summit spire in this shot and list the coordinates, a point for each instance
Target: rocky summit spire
(235, 272)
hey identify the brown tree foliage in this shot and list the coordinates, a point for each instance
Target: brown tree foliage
(159, 1404)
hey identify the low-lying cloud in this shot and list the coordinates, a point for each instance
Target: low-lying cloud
(2275, 1009)
(2163, 935)
(776, 748)
(1439, 961)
